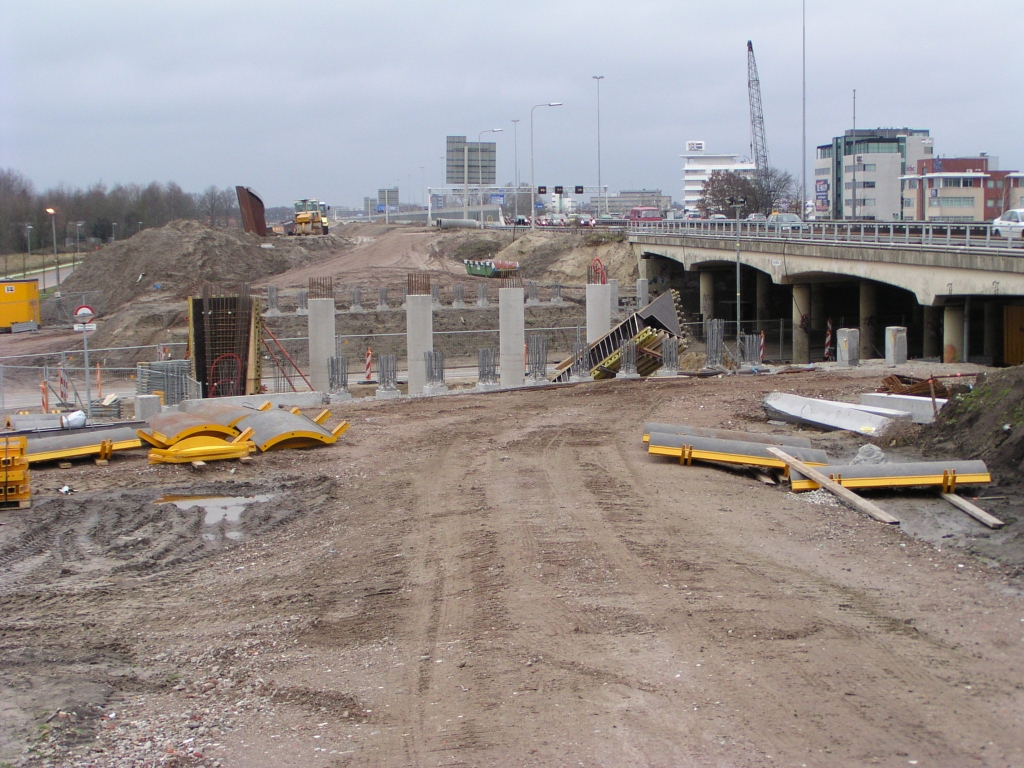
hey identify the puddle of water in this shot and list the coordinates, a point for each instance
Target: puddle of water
(217, 508)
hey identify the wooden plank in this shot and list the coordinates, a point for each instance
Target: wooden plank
(977, 513)
(844, 494)
(198, 464)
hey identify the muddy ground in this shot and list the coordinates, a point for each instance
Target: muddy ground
(510, 579)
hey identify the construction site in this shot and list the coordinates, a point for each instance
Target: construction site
(396, 495)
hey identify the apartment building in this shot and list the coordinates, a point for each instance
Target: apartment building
(858, 175)
(698, 165)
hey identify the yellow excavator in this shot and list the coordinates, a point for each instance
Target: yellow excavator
(310, 217)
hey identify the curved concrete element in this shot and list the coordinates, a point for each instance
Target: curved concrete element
(724, 434)
(947, 474)
(72, 444)
(689, 447)
(213, 410)
(277, 430)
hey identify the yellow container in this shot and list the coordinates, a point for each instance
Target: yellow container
(19, 302)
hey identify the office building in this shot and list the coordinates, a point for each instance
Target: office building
(857, 176)
(698, 165)
(958, 189)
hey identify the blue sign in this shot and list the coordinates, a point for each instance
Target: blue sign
(539, 206)
(497, 199)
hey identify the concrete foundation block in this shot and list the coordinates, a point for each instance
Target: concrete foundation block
(580, 379)
(627, 375)
(340, 397)
(435, 389)
(146, 406)
(387, 394)
(487, 387)
(895, 345)
(848, 347)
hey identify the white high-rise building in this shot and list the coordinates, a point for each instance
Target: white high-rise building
(698, 165)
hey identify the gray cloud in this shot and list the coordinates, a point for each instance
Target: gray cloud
(337, 99)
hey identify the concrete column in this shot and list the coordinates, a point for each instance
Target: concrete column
(931, 331)
(512, 335)
(817, 306)
(895, 345)
(613, 296)
(801, 338)
(599, 312)
(764, 282)
(952, 334)
(868, 310)
(643, 292)
(848, 347)
(321, 342)
(419, 334)
(707, 295)
(989, 349)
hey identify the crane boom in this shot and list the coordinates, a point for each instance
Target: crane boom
(758, 145)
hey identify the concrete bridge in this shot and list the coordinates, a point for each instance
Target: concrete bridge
(958, 288)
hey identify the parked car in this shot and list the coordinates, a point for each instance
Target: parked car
(786, 222)
(757, 217)
(1010, 224)
(521, 221)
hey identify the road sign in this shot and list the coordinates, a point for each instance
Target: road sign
(85, 326)
(84, 313)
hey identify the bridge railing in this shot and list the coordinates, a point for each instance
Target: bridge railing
(979, 236)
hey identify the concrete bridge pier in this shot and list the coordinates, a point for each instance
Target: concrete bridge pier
(817, 306)
(321, 342)
(952, 334)
(931, 331)
(419, 334)
(599, 311)
(991, 332)
(764, 282)
(707, 295)
(512, 335)
(868, 310)
(801, 322)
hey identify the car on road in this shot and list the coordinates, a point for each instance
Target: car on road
(757, 217)
(718, 216)
(1010, 224)
(786, 222)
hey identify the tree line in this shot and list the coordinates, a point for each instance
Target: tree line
(772, 192)
(106, 213)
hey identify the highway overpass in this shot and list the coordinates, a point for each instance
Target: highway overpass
(958, 288)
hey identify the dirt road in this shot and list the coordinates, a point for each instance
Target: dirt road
(505, 580)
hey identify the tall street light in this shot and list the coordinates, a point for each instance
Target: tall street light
(599, 78)
(53, 227)
(78, 234)
(480, 168)
(737, 203)
(28, 240)
(533, 179)
(515, 150)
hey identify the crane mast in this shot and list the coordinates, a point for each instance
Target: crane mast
(758, 145)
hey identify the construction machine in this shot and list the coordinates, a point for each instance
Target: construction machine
(310, 217)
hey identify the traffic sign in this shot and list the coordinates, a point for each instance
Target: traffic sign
(84, 313)
(85, 326)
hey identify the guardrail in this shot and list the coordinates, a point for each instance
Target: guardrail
(975, 236)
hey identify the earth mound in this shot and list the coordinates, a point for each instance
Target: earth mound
(988, 423)
(178, 258)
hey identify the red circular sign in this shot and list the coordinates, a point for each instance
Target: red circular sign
(84, 313)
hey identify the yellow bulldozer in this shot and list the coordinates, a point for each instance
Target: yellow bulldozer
(310, 217)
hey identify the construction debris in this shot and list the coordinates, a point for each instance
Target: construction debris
(908, 385)
(14, 473)
(974, 511)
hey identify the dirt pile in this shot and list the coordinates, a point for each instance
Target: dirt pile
(177, 259)
(564, 258)
(987, 423)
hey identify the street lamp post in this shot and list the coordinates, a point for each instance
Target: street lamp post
(515, 150)
(78, 233)
(480, 169)
(737, 203)
(53, 227)
(599, 78)
(28, 240)
(533, 179)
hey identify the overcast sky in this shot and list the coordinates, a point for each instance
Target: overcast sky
(335, 99)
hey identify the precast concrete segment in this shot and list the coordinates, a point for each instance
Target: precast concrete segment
(277, 430)
(707, 295)
(512, 336)
(76, 443)
(419, 329)
(226, 414)
(724, 434)
(20, 422)
(691, 447)
(599, 312)
(921, 409)
(146, 406)
(824, 414)
(895, 345)
(945, 474)
(165, 429)
(848, 347)
(201, 448)
(321, 342)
